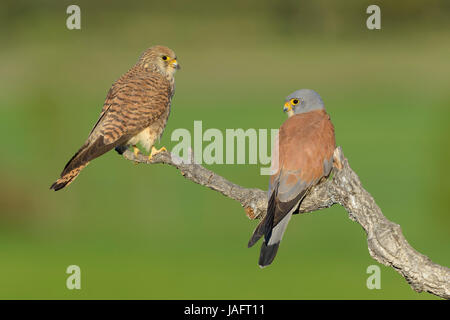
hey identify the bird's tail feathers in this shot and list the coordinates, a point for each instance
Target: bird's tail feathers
(88, 152)
(257, 234)
(264, 228)
(271, 243)
(72, 169)
(68, 177)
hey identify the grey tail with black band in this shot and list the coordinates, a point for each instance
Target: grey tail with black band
(270, 244)
(273, 234)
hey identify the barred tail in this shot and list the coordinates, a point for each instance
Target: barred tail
(67, 178)
(88, 152)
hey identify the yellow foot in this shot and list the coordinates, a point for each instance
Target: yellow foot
(136, 151)
(155, 151)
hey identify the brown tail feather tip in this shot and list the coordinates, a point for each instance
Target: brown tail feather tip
(67, 178)
(61, 183)
(58, 185)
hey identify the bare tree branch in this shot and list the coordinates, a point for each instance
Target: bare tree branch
(385, 240)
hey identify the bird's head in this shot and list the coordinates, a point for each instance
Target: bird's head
(161, 59)
(301, 101)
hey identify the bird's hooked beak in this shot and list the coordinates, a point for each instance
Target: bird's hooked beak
(174, 64)
(288, 108)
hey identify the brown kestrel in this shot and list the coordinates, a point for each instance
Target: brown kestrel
(135, 111)
(303, 158)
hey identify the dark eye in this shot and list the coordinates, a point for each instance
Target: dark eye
(164, 58)
(294, 101)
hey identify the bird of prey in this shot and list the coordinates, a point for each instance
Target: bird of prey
(303, 158)
(135, 111)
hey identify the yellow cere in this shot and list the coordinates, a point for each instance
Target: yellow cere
(288, 105)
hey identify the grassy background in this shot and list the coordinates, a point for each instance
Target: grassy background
(144, 232)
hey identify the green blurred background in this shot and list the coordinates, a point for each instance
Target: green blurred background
(144, 232)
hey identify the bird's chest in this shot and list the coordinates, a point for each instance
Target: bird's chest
(147, 137)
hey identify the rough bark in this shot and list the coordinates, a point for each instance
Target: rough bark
(386, 242)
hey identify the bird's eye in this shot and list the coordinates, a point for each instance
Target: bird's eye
(295, 101)
(164, 58)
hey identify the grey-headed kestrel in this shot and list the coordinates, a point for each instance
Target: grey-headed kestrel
(303, 158)
(135, 111)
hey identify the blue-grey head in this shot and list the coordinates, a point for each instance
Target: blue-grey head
(301, 101)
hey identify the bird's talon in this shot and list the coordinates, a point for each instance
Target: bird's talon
(156, 151)
(136, 151)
